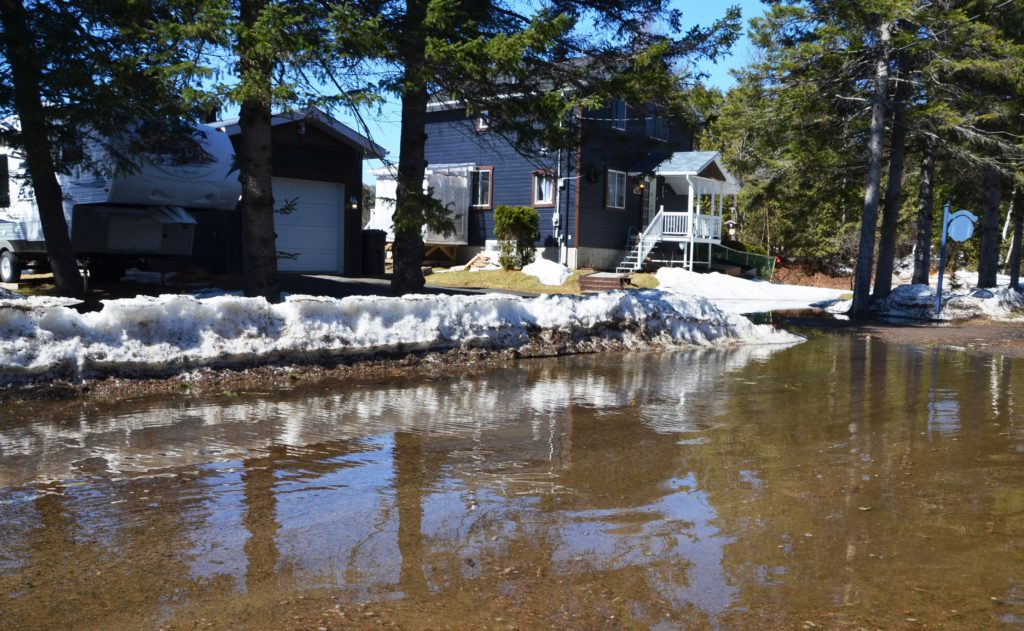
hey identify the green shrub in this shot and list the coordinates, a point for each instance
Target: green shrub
(516, 228)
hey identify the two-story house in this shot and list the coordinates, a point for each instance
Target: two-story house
(631, 189)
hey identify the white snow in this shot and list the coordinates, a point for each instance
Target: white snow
(547, 272)
(175, 333)
(918, 302)
(739, 295)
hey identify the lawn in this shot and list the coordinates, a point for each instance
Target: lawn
(502, 280)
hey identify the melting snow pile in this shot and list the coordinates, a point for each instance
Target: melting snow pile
(547, 272)
(173, 333)
(918, 302)
(739, 295)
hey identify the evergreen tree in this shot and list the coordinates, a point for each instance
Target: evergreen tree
(89, 68)
(531, 72)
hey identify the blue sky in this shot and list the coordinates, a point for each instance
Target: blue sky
(384, 128)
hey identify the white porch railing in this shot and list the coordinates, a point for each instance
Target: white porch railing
(669, 226)
(677, 226)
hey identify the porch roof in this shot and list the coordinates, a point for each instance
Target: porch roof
(702, 164)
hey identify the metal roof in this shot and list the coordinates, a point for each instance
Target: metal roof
(704, 164)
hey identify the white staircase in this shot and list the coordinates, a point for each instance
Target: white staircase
(644, 244)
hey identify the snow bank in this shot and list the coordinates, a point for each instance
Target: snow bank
(547, 272)
(739, 295)
(172, 333)
(918, 302)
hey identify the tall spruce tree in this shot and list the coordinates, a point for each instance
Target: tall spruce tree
(530, 71)
(90, 68)
(958, 66)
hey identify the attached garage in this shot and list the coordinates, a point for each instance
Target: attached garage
(317, 167)
(310, 232)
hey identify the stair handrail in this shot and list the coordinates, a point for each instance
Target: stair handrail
(656, 228)
(650, 236)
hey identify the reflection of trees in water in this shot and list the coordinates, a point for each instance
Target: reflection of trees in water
(671, 390)
(568, 470)
(480, 467)
(837, 488)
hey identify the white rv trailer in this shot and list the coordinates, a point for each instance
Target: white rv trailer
(115, 217)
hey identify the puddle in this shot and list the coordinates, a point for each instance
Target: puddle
(842, 482)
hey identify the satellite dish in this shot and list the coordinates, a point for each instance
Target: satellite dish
(961, 225)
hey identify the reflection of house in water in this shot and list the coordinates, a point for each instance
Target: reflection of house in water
(136, 440)
(391, 487)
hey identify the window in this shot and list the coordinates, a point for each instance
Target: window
(483, 121)
(481, 179)
(616, 189)
(543, 188)
(619, 114)
(657, 127)
(5, 183)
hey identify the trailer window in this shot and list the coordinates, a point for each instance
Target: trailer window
(5, 183)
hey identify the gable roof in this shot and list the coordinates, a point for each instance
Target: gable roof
(324, 121)
(705, 164)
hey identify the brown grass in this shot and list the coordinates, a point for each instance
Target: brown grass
(502, 280)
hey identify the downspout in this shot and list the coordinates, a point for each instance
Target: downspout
(559, 227)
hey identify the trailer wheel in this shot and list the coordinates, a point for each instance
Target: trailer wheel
(10, 267)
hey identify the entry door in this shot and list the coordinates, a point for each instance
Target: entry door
(650, 200)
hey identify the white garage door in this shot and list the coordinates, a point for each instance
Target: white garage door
(313, 231)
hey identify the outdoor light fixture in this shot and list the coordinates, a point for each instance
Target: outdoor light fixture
(353, 202)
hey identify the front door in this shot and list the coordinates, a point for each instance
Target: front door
(649, 201)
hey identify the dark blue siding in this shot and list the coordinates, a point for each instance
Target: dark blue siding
(605, 148)
(452, 139)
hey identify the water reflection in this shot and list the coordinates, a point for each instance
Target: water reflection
(841, 481)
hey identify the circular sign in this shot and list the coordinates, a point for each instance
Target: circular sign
(961, 225)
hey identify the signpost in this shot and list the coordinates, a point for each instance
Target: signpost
(958, 226)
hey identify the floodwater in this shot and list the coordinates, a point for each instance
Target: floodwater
(840, 483)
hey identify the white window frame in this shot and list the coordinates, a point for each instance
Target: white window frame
(540, 178)
(483, 121)
(619, 113)
(476, 179)
(616, 189)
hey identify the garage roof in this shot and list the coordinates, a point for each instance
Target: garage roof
(323, 121)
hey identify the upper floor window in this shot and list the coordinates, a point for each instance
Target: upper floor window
(619, 114)
(543, 188)
(481, 185)
(657, 126)
(483, 121)
(616, 189)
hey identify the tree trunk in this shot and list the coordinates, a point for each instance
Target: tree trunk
(872, 192)
(893, 189)
(1017, 215)
(988, 264)
(259, 248)
(925, 215)
(412, 162)
(26, 81)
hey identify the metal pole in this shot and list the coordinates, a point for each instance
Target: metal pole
(942, 259)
